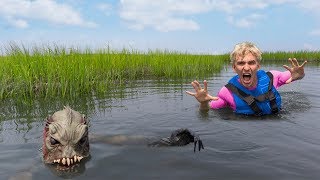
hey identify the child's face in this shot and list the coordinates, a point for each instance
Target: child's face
(247, 68)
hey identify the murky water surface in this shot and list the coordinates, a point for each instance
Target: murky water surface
(285, 146)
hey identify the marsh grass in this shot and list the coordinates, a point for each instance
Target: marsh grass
(61, 72)
(56, 71)
(281, 56)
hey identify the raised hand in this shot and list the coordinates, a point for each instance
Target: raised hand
(201, 94)
(297, 71)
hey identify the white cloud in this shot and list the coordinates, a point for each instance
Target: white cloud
(245, 22)
(105, 8)
(309, 5)
(312, 7)
(162, 15)
(231, 7)
(169, 15)
(19, 23)
(177, 24)
(45, 10)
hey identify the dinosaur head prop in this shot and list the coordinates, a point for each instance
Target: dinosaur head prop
(65, 138)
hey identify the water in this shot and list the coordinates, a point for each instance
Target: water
(284, 146)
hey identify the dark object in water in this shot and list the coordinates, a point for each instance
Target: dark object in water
(180, 137)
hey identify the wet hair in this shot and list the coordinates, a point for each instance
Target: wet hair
(242, 49)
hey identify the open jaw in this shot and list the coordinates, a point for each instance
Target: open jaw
(68, 171)
(246, 77)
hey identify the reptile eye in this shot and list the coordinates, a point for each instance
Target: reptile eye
(54, 141)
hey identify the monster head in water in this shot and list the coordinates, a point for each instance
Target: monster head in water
(65, 138)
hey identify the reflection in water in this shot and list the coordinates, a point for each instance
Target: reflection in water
(29, 111)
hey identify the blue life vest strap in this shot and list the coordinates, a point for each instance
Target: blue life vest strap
(252, 101)
(272, 97)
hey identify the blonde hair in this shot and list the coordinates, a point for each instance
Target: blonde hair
(242, 49)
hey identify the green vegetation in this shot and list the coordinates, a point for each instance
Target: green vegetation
(62, 72)
(283, 56)
(57, 71)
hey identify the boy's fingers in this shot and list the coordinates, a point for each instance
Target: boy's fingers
(295, 62)
(191, 93)
(304, 63)
(291, 62)
(287, 67)
(197, 84)
(214, 98)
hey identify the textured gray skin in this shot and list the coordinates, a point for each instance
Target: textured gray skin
(65, 138)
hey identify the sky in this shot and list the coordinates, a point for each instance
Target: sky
(193, 26)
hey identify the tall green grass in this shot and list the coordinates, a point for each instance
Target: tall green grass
(283, 56)
(57, 71)
(70, 72)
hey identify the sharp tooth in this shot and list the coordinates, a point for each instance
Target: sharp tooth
(54, 161)
(71, 160)
(64, 161)
(68, 161)
(58, 161)
(79, 158)
(75, 158)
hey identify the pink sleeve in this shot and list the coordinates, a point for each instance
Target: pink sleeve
(225, 99)
(280, 78)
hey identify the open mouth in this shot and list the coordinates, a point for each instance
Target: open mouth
(246, 77)
(67, 172)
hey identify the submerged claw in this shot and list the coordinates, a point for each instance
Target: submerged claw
(200, 144)
(180, 137)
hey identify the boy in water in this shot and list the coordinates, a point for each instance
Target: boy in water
(251, 91)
